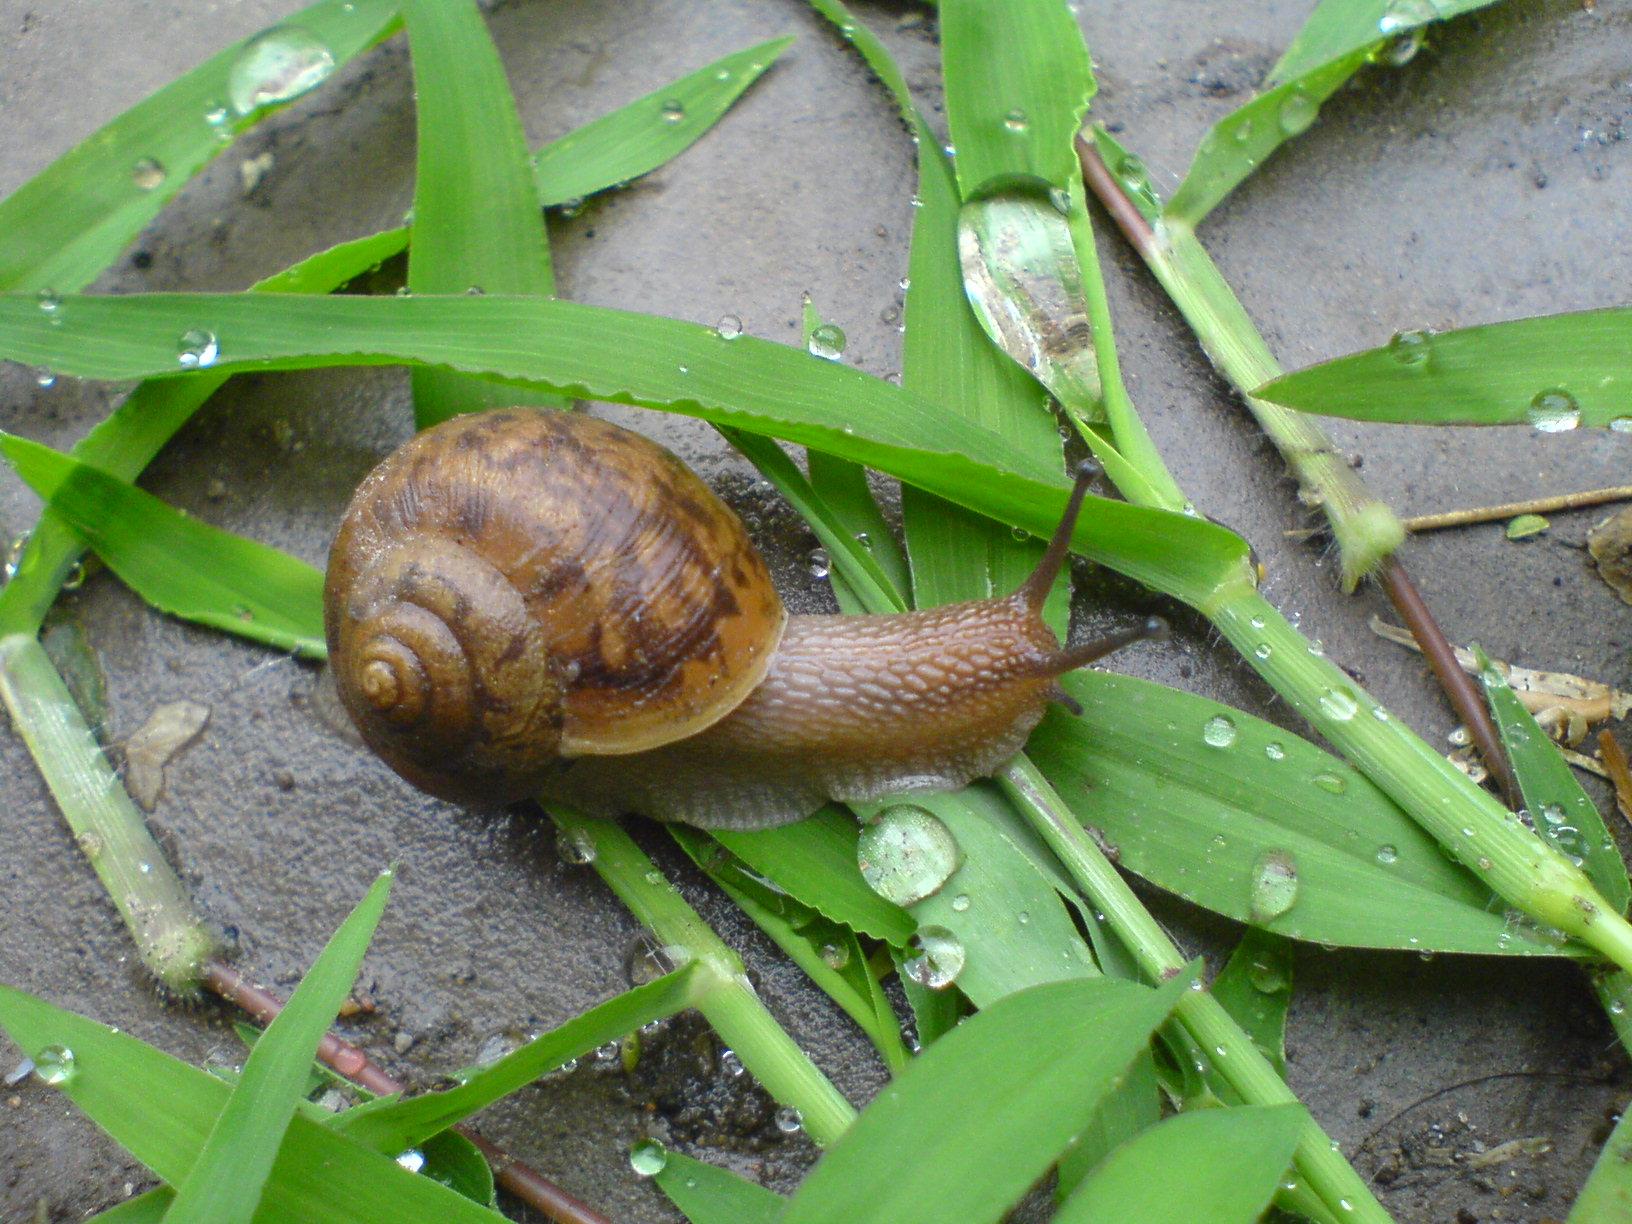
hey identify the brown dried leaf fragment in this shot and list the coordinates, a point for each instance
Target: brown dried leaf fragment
(1610, 544)
(169, 729)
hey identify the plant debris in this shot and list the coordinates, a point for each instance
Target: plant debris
(1610, 544)
(169, 729)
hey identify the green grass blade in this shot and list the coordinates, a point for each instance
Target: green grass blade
(1222, 1166)
(595, 353)
(225, 1182)
(476, 225)
(319, 1178)
(1127, 1110)
(394, 1125)
(641, 136)
(1007, 67)
(708, 1194)
(1244, 139)
(983, 1112)
(815, 861)
(1219, 824)
(1553, 372)
(829, 954)
(1338, 27)
(1255, 987)
(146, 1208)
(64, 226)
(459, 1165)
(178, 564)
(1606, 1198)
(1560, 809)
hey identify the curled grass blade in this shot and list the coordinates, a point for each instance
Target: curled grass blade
(178, 564)
(1218, 1165)
(69, 222)
(1215, 805)
(995, 1101)
(1255, 987)
(225, 1182)
(595, 353)
(1552, 372)
(476, 225)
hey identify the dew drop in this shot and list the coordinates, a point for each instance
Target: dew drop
(574, 847)
(1331, 783)
(54, 1065)
(1553, 411)
(1621, 424)
(1219, 731)
(1262, 650)
(1243, 131)
(48, 301)
(413, 1160)
(907, 854)
(826, 342)
(674, 110)
(1411, 347)
(789, 1120)
(729, 327)
(1338, 704)
(147, 173)
(939, 961)
(1402, 48)
(45, 379)
(819, 564)
(1297, 112)
(835, 955)
(1401, 15)
(277, 66)
(1274, 751)
(1266, 977)
(648, 1157)
(1387, 854)
(197, 349)
(1274, 886)
(1016, 122)
(960, 903)
(646, 961)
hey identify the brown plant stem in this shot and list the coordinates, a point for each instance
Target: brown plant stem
(1458, 687)
(526, 1183)
(1535, 505)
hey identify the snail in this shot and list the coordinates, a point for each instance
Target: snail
(523, 603)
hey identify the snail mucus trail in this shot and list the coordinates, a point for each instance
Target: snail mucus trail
(522, 603)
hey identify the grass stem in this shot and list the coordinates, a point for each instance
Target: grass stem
(1535, 505)
(171, 936)
(729, 1004)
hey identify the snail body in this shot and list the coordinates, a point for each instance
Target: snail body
(524, 603)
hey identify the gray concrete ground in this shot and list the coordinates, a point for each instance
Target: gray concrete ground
(1488, 179)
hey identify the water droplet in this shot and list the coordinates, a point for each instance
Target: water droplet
(1267, 978)
(1015, 121)
(1402, 48)
(648, 1157)
(1262, 650)
(574, 847)
(197, 349)
(646, 961)
(907, 854)
(1317, 648)
(48, 301)
(1022, 917)
(1387, 854)
(1553, 411)
(939, 961)
(1621, 424)
(731, 1064)
(960, 903)
(55, 1066)
(819, 564)
(1411, 347)
(277, 66)
(1274, 886)
(789, 1120)
(674, 110)
(1257, 622)
(45, 379)
(219, 119)
(729, 327)
(147, 173)
(835, 955)
(1243, 131)
(413, 1160)
(1338, 704)
(1331, 783)
(1274, 751)
(1402, 14)
(1297, 112)
(1061, 200)
(826, 342)
(1219, 731)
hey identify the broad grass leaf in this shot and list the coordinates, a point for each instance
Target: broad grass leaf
(708, 1194)
(224, 1184)
(1552, 372)
(1255, 987)
(1202, 819)
(983, 1112)
(1210, 1166)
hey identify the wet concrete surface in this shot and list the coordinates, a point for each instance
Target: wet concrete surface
(1487, 179)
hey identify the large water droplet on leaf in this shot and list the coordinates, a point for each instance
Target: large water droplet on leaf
(907, 854)
(277, 66)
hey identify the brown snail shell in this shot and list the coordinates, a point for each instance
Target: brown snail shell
(516, 587)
